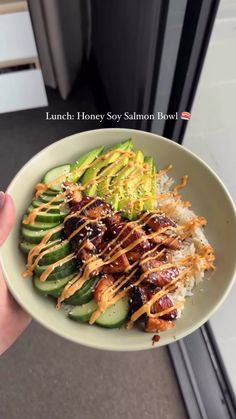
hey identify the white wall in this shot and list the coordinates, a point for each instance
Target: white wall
(211, 134)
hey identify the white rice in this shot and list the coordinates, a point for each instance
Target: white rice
(181, 215)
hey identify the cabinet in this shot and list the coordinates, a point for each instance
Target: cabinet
(21, 81)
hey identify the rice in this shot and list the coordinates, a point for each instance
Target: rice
(191, 246)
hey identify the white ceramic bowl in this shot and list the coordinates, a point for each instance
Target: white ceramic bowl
(209, 198)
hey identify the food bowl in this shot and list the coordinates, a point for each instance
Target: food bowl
(209, 198)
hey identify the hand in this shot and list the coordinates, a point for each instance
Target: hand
(13, 320)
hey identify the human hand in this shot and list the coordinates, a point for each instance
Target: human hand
(13, 320)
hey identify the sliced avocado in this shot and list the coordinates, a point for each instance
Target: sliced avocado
(93, 171)
(149, 160)
(114, 201)
(78, 168)
(134, 209)
(123, 174)
(147, 184)
(103, 188)
(154, 184)
(130, 168)
(139, 157)
(127, 187)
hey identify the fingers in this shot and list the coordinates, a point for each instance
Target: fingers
(13, 320)
(7, 216)
(2, 199)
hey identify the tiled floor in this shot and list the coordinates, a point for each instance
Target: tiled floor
(211, 135)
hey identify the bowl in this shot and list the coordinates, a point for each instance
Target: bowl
(209, 198)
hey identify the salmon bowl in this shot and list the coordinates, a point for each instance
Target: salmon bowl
(170, 307)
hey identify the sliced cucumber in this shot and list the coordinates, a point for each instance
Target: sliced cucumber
(37, 203)
(53, 288)
(115, 315)
(85, 294)
(83, 313)
(50, 192)
(47, 198)
(57, 252)
(59, 209)
(59, 272)
(74, 171)
(32, 236)
(40, 226)
(26, 247)
(49, 217)
(55, 173)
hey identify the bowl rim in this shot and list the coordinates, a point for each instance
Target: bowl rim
(135, 346)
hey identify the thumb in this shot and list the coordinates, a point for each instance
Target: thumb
(7, 216)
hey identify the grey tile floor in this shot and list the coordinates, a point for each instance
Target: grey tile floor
(43, 375)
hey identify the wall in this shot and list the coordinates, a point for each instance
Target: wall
(211, 135)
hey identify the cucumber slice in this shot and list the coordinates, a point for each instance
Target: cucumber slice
(49, 217)
(50, 192)
(37, 203)
(115, 315)
(26, 247)
(83, 313)
(85, 294)
(58, 251)
(55, 173)
(53, 288)
(40, 226)
(59, 272)
(36, 236)
(47, 198)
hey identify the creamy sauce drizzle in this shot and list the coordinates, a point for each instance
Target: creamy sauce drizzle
(43, 187)
(114, 292)
(54, 265)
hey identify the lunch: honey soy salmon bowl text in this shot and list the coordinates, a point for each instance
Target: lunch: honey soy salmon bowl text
(110, 238)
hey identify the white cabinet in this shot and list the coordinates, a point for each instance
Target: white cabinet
(22, 90)
(20, 87)
(16, 37)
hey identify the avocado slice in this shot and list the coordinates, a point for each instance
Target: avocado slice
(128, 169)
(127, 185)
(78, 168)
(103, 188)
(154, 184)
(114, 201)
(93, 171)
(147, 184)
